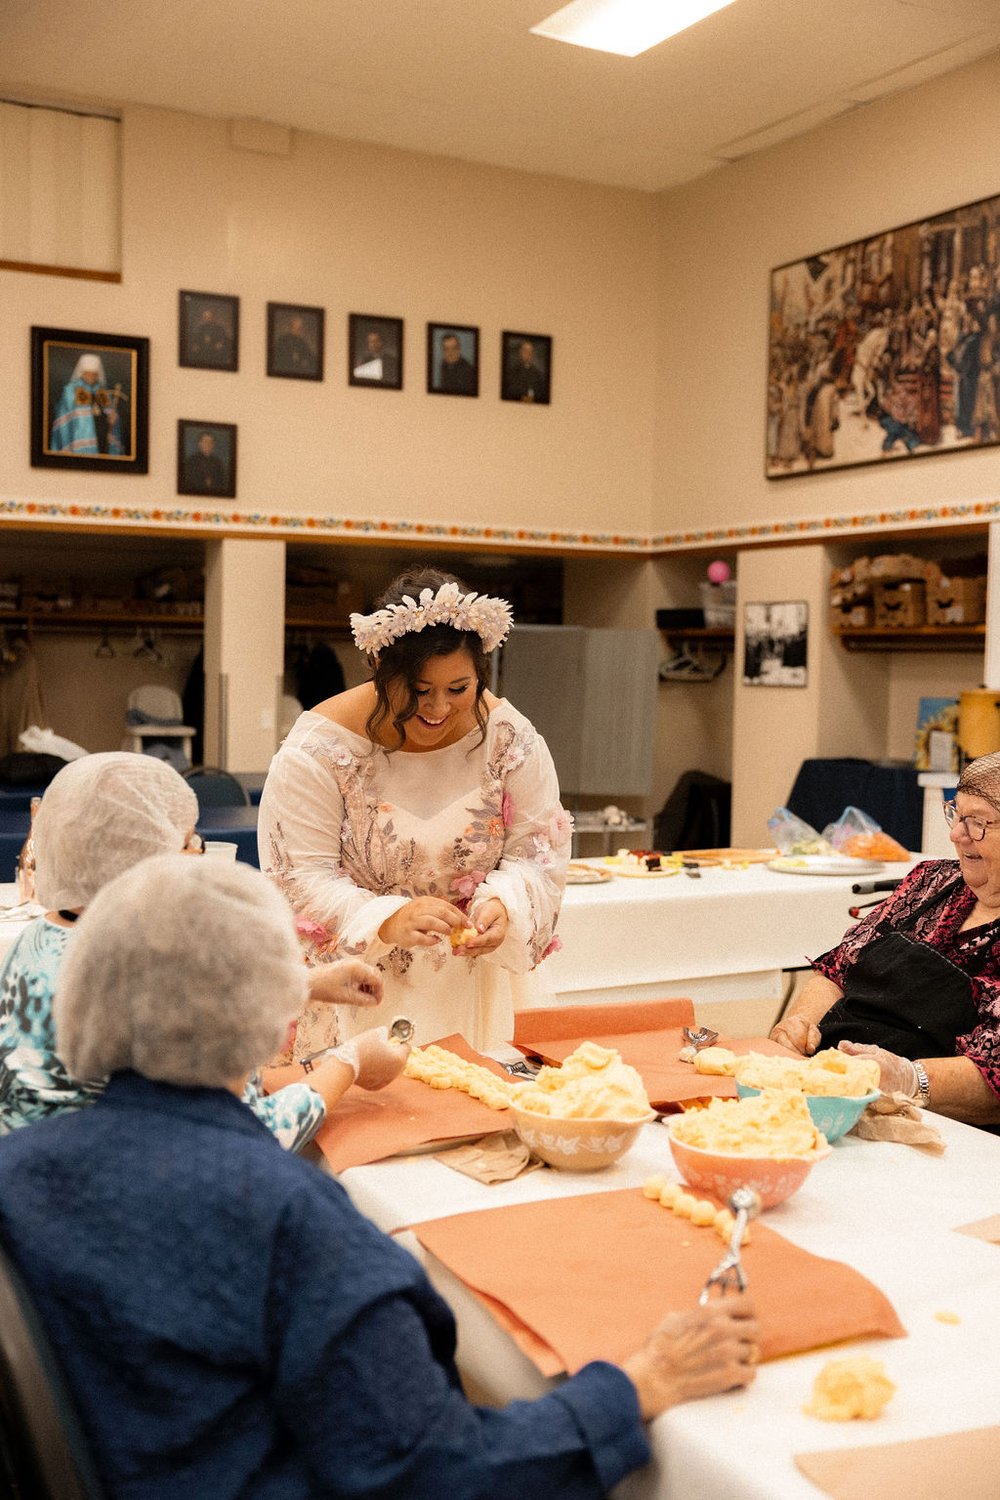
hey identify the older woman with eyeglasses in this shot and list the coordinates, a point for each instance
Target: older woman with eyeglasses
(916, 984)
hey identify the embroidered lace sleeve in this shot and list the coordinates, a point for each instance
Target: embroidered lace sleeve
(531, 875)
(299, 839)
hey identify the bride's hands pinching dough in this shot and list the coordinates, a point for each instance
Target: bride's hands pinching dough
(490, 921)
(421, 923)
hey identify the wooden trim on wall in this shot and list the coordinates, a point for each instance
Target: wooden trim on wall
(75, 271)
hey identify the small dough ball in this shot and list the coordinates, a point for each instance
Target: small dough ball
(653, 1187)
(703, 1213)
(684, 1205)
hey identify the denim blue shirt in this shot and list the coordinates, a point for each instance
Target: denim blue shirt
(33, 1081)
(231, 1326)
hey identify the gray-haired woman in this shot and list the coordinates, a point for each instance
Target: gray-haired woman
(228, 1323)
(917, 983)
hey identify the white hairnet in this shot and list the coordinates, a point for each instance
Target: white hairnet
(186, 970)
(101, 815)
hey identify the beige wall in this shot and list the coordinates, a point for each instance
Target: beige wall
(359, 228)
(917, 153)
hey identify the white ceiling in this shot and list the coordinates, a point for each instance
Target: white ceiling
(466, 78)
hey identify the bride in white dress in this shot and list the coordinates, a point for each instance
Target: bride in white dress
(415, 822)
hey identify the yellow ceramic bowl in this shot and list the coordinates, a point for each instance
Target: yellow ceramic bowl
(576, 1145)
(719, 1173)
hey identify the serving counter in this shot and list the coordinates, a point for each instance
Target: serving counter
(890, 1211)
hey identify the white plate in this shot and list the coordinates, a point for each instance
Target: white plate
(586, 875)
(823, 864)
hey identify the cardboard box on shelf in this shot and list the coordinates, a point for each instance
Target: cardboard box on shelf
(851, 614)
(895, 567)
(900, 605)
(955, 601)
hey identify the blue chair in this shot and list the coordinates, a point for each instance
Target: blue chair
(44, 1454)
(216, 788)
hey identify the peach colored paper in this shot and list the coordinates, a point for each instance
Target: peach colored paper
(983, 1229)
(590, 1277)
(962, 1464)
(649, 1036)
(365, 1127)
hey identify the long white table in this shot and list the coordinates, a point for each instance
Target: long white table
(888, 1210)
(725, 935)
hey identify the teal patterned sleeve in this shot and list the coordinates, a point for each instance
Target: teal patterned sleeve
(292, 1114)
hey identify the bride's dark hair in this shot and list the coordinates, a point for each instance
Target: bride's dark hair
(404, 659)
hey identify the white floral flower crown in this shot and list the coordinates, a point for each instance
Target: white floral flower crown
(489, 618)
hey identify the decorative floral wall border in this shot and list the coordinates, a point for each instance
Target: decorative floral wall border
(63, 513)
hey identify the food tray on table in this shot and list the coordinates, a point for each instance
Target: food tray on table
(726, 856)
(578, 872)
(617, 866)
(823, 864)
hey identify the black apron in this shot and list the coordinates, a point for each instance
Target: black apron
(904, 996)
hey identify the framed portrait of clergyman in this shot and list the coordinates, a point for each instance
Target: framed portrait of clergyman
(295, 341)
(206, 459)
(452, 359)
(89, 401)
(375, 351)
(209, 331)
(526, 368)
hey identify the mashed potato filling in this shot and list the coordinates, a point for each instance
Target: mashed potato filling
(775, 1123)
(848, 1388)
(829, 1074)
(592, 1084)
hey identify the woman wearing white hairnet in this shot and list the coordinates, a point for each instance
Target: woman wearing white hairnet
(227, 1321)
(99, 817)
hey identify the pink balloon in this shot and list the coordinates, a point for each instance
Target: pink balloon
(719, 572)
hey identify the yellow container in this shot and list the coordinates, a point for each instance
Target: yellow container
(979, 722)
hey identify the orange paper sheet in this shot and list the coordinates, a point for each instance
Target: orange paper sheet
(962, 1464)
(649, 1036)
(365, 1127)
(576, 1279)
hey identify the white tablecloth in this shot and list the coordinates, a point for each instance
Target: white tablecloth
(890, 1211)
(726, 935)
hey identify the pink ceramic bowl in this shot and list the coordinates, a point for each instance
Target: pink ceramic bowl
(719, 1173)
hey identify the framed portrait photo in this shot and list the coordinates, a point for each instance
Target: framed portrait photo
(526, 368)
(206, 459)
(89, 401)
(209, 331)
(295, 341)
(776, 644)
(452, 360)
(375, 351)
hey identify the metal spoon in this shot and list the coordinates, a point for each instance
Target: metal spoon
(700, 1036)
(401, 1030)
(729, 1275)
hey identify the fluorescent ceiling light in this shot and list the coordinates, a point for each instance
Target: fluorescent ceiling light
(626, 27)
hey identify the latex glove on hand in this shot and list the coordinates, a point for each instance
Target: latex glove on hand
(798, 1033)
(346, 982)
(375, 1059)
(897, 1075)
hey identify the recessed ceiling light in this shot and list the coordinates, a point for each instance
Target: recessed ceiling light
(626, 27)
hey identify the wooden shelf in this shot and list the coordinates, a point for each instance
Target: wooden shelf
(914, 638)
(81, 620)
(707, 635)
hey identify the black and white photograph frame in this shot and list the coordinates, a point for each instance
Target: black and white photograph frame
(375, 351)
(89, 401)
(452, 359)
(776, 644)
(526, 368)
(295, 336)
(208, 333)
(206, 459)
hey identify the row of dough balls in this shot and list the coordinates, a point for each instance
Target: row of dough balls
(701, 1211)
(443, 1070)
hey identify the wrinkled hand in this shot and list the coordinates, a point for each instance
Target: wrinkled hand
(346, 982)
(797, 1032)
(421, 923)
(696, 1353)
(490, 921)
(897, 1075)
(376, 1061)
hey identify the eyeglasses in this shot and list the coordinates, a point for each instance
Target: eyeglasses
(974, 827)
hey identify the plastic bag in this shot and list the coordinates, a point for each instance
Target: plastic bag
(857, 835)
(47, 742)
(790, 835)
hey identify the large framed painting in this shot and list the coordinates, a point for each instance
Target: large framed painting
(887, 348)
(89, 401)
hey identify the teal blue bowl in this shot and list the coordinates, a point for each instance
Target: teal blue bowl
(834, 1115)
